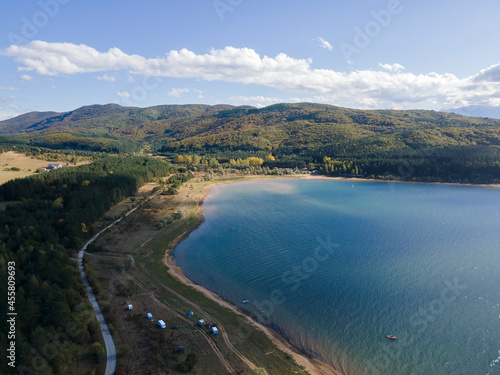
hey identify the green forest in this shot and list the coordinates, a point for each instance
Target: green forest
(41, 235)
(391, 144)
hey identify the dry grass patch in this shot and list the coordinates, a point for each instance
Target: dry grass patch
(27, 165)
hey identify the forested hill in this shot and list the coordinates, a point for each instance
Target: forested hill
(281, 127)
(335, 140)
(40, 237)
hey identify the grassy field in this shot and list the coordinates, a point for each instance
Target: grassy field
(241, 347)
(26, 164)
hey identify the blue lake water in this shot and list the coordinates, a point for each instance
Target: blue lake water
(335, 266)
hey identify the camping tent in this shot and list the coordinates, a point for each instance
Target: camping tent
(201, 322)
(162, 324)
(130, 307)
(215, 331)
(190, 313)
(150, 316)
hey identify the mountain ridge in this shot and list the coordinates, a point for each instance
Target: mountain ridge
(283, 126)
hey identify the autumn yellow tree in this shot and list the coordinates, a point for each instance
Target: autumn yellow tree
(255, 161)
(195, 159)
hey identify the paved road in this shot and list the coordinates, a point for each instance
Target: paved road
(108, 340)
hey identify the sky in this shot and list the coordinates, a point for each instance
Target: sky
(59, 55)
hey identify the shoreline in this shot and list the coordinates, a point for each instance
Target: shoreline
(468, 184)
(312, 365)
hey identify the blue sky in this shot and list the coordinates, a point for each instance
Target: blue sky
(62, 54)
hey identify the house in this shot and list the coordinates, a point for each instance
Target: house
(162, 324)
(54, 166)
(150, 316)
(129, 307)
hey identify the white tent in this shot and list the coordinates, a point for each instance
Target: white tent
(162, 324)
(130, 307)
(201, 322)
(215, 331)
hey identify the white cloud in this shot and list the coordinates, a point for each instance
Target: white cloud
(258, 101)
(123, 93)
(26, 77)
(4, 99)
(9, 88)
(324, 44)
(177, 92)
(491, 74)
(10, 110)
(8, 115)
(199, 92)
(106, 77)
(389, 87)
(392, 67)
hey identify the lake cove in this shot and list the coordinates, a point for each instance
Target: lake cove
(336, 266)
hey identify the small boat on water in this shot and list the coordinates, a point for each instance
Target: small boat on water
(391, 337)
(246, 301)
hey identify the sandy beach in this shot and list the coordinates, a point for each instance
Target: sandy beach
(313, 366)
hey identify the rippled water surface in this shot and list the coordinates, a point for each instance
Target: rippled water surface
(336, 266)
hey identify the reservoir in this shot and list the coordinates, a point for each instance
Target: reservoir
(336, 266)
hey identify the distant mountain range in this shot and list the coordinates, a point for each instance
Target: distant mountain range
(286, 127)
(477, 111)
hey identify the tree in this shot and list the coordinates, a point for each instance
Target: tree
(129, 261)
(255, 161)
(84, 228)
(196, 159)
(98, 350)
(58, 203)
(191, 361)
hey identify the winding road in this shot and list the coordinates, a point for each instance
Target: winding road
(106, 335)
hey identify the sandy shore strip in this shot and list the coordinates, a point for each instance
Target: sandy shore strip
(313, 366)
